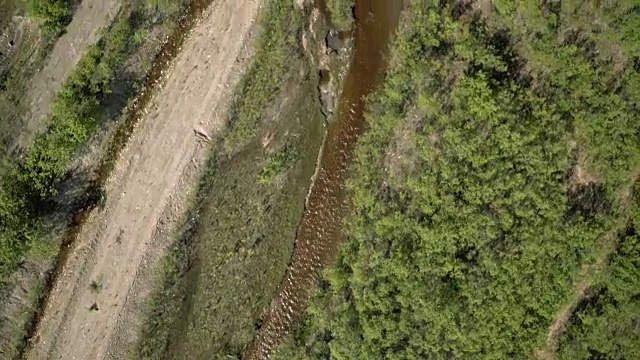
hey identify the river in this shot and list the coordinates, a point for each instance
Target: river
(320, 231)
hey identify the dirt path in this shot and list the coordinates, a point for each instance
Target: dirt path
(587, 275)
(83, 31)
(147, 189)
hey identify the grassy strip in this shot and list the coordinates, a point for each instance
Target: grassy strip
(237, 223)
(29, 185)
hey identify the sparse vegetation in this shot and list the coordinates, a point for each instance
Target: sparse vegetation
(95, 286)
(277, 163)
(341, 12)
(467, 235)
(238, 236)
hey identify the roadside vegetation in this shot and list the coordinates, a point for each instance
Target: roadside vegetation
(237, 239)
(54, 14)
(29, 185)
(23, 50)
(498, 152)
(37, 197)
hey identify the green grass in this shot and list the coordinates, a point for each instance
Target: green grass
(277, 163)
(239, 234)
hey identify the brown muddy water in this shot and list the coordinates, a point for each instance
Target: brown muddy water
(319, 233)
(152, 81)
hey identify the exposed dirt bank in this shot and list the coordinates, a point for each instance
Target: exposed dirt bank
(91, 303)
(84, 30)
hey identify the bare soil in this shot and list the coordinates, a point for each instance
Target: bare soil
(19, 296)
(119, 243)
(84, 30)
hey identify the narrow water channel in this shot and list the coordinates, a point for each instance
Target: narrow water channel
(319, 233)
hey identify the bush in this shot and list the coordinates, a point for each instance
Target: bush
(56, 14)
(29, 185)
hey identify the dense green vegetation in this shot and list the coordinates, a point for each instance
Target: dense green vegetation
(238, 236)
(605, 325)
(498, 151)
(55, 14)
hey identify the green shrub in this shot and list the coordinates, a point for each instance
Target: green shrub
(29, 185)
(341, 12)
(56, 14)
(277, 163)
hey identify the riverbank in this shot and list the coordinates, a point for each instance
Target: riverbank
(494, 198)
(237, 238)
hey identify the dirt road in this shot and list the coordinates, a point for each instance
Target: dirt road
(84, 30)
(145, 193)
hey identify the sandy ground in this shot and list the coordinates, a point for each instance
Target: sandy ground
(146, 189)
(83, 31)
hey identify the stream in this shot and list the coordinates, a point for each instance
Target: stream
(320, 231)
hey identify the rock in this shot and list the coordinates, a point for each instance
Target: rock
(333, 41)
(202, 134)
(327, 98)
